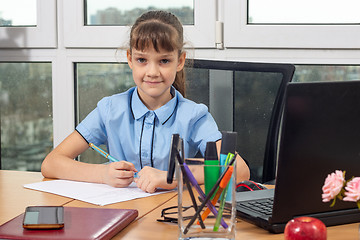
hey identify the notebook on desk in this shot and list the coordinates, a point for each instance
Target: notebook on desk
(320, 134)
(80, 223)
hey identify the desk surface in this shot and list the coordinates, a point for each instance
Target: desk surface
(143, 205)
(14, 198)
(141, 229)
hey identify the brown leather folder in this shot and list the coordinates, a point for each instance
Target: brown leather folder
(80, 223)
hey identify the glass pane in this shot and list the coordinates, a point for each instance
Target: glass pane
(26, 115)
(253, 104)
(95, 81)
(315, 73)
(124, 13)
(197, 85)
(303, 12)
(18, 13)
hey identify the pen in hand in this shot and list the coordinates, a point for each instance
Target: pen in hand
(107, 155)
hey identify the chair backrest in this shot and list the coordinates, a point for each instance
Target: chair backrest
(246, 98)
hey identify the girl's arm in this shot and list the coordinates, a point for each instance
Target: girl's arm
(60, 163)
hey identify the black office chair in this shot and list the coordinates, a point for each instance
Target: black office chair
(257, 103)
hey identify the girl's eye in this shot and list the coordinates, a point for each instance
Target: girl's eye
(164, 61)
(141, 60)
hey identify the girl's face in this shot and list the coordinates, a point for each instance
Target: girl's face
(154, 73)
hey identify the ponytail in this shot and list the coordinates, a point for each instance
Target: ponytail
(179, 83)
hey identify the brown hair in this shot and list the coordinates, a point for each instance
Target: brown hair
(163, 30)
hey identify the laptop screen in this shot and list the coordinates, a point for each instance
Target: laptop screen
(320, 134)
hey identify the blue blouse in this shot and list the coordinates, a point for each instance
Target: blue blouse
(133, 133)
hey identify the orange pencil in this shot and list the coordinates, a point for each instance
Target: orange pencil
(222, 186)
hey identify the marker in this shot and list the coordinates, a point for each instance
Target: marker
(211, 168)
(106, 155)
(224, 182)
(228, 145)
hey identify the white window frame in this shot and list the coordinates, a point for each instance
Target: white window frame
(44, 35)
(84, 49)
(238, 34)
(199, 35)
(62, 86)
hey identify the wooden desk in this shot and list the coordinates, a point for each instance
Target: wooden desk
(148, 228)
(143, 205)
(15, 198)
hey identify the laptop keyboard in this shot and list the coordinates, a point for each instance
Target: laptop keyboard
(262, 206)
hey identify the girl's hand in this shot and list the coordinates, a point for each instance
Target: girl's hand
(119, 174)
(149, 179)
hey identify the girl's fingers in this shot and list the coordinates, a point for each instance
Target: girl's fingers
(124, 165)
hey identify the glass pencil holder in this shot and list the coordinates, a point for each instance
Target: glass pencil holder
(206, 214)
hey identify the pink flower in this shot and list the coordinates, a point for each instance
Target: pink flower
(352, 188)
(333, 185)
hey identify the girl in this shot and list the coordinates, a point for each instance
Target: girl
(137, 125)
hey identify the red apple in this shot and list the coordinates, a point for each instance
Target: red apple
(305, 228)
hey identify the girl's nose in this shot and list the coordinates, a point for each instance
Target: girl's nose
(153, 70)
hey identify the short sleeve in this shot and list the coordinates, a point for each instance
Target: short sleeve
(92, 128)
(203, 127)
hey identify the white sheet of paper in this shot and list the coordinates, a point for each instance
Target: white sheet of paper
(95, 193)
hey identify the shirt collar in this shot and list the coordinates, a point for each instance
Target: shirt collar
(163, 113)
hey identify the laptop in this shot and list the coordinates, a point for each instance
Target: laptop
(320, 133)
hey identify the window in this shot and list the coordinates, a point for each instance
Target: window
(12, 15)
(83, 30)
(303, 12)
(124, 13)
(95, 81)
(68, 33)
(315, 73)
(33, 25)
(247, 23)
(26, 115)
